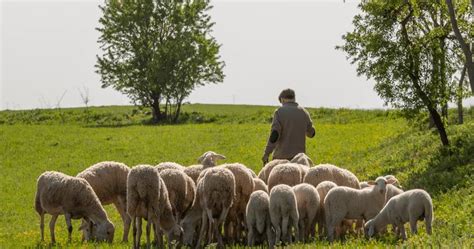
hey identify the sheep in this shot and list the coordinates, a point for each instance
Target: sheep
(328, 172)
(57, 194)
(235, 222)
(396, 183)
(252, 173)
(216, 193)
(206, 160)
(347, 203)
(283, 212)
(363, 185)
(288, 173)
(303, 159)
(259, 185)
(109, 182)
(147, 197)
(265, 171)
(169, 165)
(322, 188)
(176, 184)
(308, 201)
(258, 218)
(410, 206)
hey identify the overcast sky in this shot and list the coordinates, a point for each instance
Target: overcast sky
(49, 48)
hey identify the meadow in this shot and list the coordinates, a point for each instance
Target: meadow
(367, 142)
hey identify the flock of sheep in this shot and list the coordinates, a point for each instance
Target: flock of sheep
(193, 205)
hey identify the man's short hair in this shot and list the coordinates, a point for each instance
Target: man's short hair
(286, 94)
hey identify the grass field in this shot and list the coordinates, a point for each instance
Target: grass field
(367, 142)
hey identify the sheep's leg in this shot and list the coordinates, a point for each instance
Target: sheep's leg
(402, 232)
(42, 226)
(202, 233)
(121, 206)
(428, 224)
(250, 236)
(134, 231)
(52, 223)
(275, 219)
(67, 216)
(284, 229)
(294, 222)
(270, 239)
(218, 228)
(414, 229)
(148, 228)
(139, 230)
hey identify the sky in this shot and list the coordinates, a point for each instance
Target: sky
(49, 48)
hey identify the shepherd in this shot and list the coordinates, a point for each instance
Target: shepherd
(290, 126)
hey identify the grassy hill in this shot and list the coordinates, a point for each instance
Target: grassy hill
(367, 142)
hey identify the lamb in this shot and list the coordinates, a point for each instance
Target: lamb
(243, 189)
(216, 193)
(322, 188)
(328, 172)
(396, 183)
(347, 203)
(303, 159)
(288, 173)
(176, 184)
(410, 206)
(169, 165)
(208, 159)
(258, 218)
(283, 212)
(148, 198)
(57, 194)
(308, 201)
(265, 171)
(259, 185)
(109, 182)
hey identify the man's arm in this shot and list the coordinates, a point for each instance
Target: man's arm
(310, 131)
(274, 136)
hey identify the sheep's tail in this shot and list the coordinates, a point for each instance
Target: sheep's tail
(284, 225)
(428, 216)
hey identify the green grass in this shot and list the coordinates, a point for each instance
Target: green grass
(367, 142)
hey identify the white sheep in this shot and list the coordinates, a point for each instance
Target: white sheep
(176, 184)
(265, 171)
(206, 160)
(348, 203)
(60, 194)
(410, 206)
(235, 222)
(288, 173)
(259, 184)
(303, 159)
(109, 181)
(322, 188)
(328, 172)
(216, 191)
(283, 212)
(307, 199)
(258, 218)
(147, 197)
(169, 165)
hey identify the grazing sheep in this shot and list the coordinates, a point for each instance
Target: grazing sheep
(235, 222)
(328, 172)
(216, 192)
(258, 218)
(169, 165)
(57, 194)
(283, 212)
(303, 159)
(265, 171)
(288, 173)
(208, 159)
(175, 181)
(347, 203)
(259, 185)
(322, 188)
(307, 199)
(147, 198)
(109, 182)
(410, 206)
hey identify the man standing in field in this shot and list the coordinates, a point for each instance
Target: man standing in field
(291, 124)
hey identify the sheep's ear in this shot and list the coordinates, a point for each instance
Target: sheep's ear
(391, 181)
(218, 156)
(371, 182)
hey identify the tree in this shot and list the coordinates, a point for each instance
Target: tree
(156, 52)
(468, 51)
(405, 47)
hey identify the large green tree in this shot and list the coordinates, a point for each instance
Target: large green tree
(406, 47)
(157, 52)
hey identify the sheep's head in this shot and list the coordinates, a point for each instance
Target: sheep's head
(394, 180)
(210, 158)
(370, 228)
(103, 231)
(190, 226)
(380, 184)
